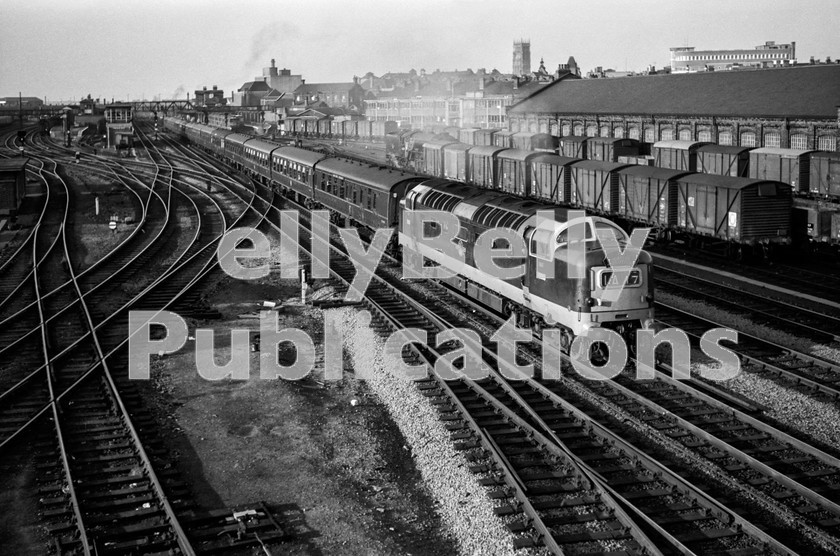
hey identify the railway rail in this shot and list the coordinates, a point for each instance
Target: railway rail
(101, 491)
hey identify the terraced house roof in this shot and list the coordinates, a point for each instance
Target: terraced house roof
(801, 91)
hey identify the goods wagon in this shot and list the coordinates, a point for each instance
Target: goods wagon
(594, 185)
(551, 178)
(724, 160)
(12, 184)
(467, 135)
(535, 142)
(503, 139)
(573, 146)
(433, 157)
(513, 171)
(455, 165)
(522, 140)
(452, 131)
(379, 129)
(677, 155)
(648, 194)
(543, 142)
(790, 166)
(825, 174)
(482, 166)
(641, 160)
(609, 149)
(485, 137)
(741, 210)
(811, 222)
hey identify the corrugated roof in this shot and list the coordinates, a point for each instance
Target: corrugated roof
(804, 91)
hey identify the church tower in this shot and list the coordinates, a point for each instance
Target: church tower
(521, 57)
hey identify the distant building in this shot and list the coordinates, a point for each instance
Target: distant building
(281, 80)
(521, 57)
(213, 97)
(251, 93)
(687, 59)
(24, 102)
(336, 95)
(796, 107)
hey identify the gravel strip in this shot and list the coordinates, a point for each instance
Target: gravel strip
(797, 410)
(746, 325)
(462, 503)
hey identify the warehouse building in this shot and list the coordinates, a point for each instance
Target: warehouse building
(794, 107)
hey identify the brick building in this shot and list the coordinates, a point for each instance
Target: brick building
(793, 107)
(687, 59)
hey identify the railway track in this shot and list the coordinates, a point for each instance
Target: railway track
(799, 321)
(101, 492)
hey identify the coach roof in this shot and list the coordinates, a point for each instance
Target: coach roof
(373, 175)
(800, 91)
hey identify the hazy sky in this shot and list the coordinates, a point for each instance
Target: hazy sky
(131, 48)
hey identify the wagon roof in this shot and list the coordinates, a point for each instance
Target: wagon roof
(488, 131)
(219, 132)
(554, 159)
(611, 140)
(13, 164)
(791, 153)
(677, 144)
(437, 144)
(373, 175)
(457, 147)
(517, 154)
(653, 172)
(574, 139)
(524, 134)
(600, 165)
(823, 154)
(505, 133)
(725, 149)
(726, 182)
(486, 150)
